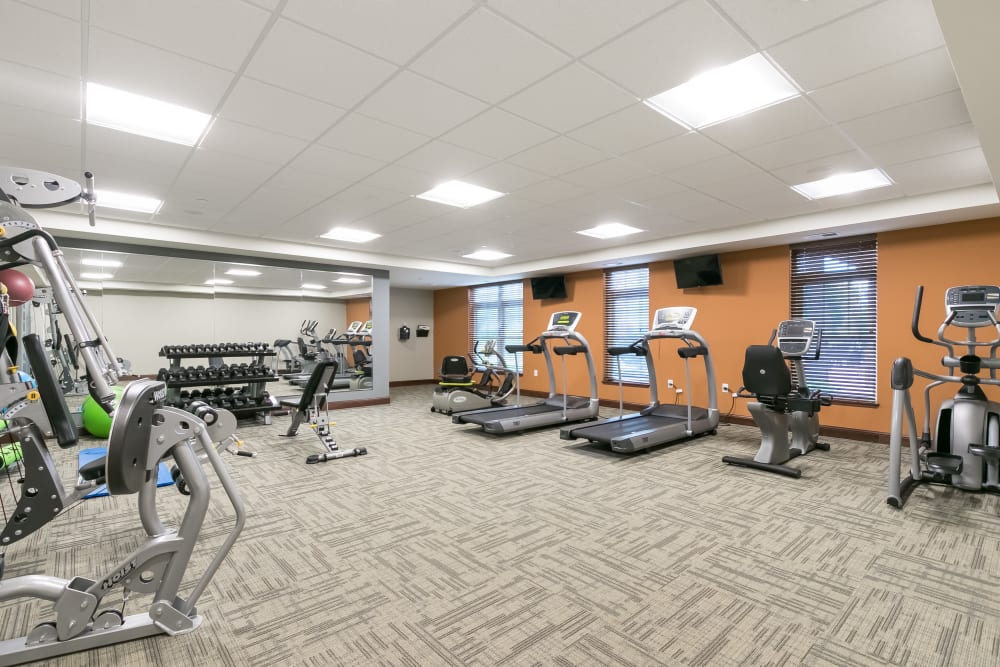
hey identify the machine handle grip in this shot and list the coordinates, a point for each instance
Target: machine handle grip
(534, 349)
(915, 323)
(616, 351)
(569, 349)
(90, 197)
(819, 342)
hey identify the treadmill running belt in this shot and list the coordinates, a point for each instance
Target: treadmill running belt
(508, 413)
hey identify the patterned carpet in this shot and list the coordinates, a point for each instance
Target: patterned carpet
(446, 546)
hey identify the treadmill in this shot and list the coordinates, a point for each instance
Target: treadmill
(659, 424)
(556, 408)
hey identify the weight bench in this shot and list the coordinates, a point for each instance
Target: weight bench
(312, 405)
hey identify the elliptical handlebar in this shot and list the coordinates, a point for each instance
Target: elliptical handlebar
(915, 322)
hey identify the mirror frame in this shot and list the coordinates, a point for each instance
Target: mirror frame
(379, 300)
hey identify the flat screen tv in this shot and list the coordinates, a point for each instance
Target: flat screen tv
(548, 287)
(700, 271)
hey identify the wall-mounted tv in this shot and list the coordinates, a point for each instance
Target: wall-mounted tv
(548, 287)
(700, 271)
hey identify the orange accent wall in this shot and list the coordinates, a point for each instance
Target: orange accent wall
(750, 303)
(358, 310)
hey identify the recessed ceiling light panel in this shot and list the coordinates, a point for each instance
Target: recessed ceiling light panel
(610, 230)
(96, 276)
(487, 255)
(842, 184)
(313, 286)
(350, 281)
(145, 116)
(460, 194)
(103, 263)
(350, 235)
(218, 281)
(242, 272)
(128, 202)
(724, 93)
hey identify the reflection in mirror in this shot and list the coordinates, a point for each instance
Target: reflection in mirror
(146, 302)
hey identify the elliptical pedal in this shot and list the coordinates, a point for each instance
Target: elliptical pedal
(943, 464)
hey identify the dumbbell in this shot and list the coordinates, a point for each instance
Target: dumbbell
(195, 394)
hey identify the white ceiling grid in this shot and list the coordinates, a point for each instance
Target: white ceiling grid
(338, 113)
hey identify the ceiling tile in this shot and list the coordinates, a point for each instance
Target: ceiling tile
(941, 172)
(338, 164)
(269, 5)
(774, 203)
(497, 210)
(360, 134)
(670, 49)
(863, 197)
(498, 133)
(712, 171)
(592, 24)
(903, 82)
(40, 90)
(648, 188)
(813, 170)
(743, 184)
(485, 42)
(309, 182)
(180, 213)
(67, 8)
(252, 142)
(421, 105)
(29, 153)
(677, 152)
(633, 127)
(168, 25)
(571, 97)
(393, 29)
(355, 203)
(551, 191)
(444, 161)
(40, 39)
(403, 180)
(39, 125)
(940, 142)
(505, 177)
(127, 146)
(776, 122)
(406, 213)
(148, 177)
(597, 207)
(271, 108)
(557, 156)
(806, 146)
(771, 21)
(312, 64)
(264, 211)
(873, 37)
(716, 215)
(211, 192)
(606, 174)
(222, 164)
(674, 202)
(910, 119)
(146, 70)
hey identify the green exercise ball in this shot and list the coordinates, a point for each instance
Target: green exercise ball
(95, 420)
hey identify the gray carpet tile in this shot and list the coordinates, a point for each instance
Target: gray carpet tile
(448, 546)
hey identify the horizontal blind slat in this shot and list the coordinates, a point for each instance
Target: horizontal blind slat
(626, 315)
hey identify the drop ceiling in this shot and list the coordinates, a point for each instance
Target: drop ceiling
(338, 113)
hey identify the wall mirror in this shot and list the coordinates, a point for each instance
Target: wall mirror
(148, 298)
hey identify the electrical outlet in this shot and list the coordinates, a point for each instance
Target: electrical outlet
(535, 372)
(725, 387)
(679, 390)
(670, 384)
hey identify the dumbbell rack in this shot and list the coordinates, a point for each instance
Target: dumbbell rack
(255, 386)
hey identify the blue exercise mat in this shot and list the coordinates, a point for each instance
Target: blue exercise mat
(87, 455)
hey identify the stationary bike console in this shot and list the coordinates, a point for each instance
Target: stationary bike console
(972, 306)
(795, 337)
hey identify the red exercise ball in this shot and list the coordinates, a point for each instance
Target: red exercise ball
(20, 288)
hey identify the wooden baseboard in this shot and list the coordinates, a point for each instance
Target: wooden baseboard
(410, 383)
(340, 405)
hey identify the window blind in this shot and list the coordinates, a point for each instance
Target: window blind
(497, 312)
(834, 284)
(626, 319)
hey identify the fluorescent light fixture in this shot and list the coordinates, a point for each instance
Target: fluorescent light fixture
(346, 273)
(242, 272)
(218, 281)
(842, 184)
(460, 194)
(724, 93)
(135, 114)
(313, 286)
(128, 202)
(350, 235)
(97, 276)
(350, 281)
(103, 263)
(487, 255)
(610, 230)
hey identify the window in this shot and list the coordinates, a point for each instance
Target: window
(834, 284)
(496, 312)
(626, 320)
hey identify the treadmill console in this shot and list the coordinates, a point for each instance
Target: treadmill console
(795, 337)
(973, 306)
(353, 328)
(366, 329)
(564, 321)
(675, 318)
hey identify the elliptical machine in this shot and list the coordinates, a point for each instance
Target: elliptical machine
(965, 449)
(776, 378)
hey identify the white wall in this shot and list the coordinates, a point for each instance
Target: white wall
(411, 359)
(138, 325)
